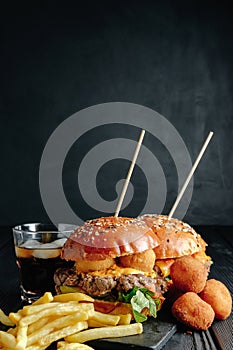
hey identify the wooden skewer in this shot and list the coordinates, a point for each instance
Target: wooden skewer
(190, 174)
(129, 173)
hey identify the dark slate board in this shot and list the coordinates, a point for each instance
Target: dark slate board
(156, 332)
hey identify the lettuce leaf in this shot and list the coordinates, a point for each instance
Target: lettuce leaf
(141, 298)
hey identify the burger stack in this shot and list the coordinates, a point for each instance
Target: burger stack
(134, 263)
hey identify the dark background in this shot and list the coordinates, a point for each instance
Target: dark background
(175, 57)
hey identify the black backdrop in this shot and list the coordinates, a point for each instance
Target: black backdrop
(175, 57)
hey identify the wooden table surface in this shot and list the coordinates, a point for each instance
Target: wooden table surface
(220, 248)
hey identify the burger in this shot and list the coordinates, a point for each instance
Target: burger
(114, 262)
(124, 263)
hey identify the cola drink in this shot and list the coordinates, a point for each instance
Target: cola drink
(38, 253)
(36, 270)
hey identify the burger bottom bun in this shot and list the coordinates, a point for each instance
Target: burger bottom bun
(94, 265)
(141, 261)
(218, 296)
(191, 310)
(113, 308)
(116, 308)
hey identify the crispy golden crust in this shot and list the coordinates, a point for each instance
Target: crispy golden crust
(177, 238)
(94, 265)
(218, 296)
(191, 310)
(188, 274)
(143, 261)
(109, 237)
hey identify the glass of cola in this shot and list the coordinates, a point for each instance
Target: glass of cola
(38, 248)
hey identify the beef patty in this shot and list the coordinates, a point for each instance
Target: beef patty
(99, 286)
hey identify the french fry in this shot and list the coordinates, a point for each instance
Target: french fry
(62, 345)
(105, 332)
(36, 347)
(96, 324)
(73, 297)
(62, 333)
(21, 337)
(46, 298)
(61, 310)
(27, 320)
(16, 316)
(33, 327)
(7, 340)
(55, 324)
(4, 319)
(12, 331)
(33, 338)
(125, 319)
(32, 309)
(105, 318)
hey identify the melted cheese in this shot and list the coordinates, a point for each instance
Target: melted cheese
(118, 271)
(201, 256)
(164, 266)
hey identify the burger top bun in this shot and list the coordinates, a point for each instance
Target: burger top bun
(109, 237)
(177, 238)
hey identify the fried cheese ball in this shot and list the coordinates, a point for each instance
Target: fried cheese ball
(143, 261)
(191, 310)
(218, 296)
(188, 274)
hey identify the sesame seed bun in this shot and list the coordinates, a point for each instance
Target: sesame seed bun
(177, 238)
(109, 237)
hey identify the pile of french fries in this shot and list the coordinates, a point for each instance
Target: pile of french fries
(67, 319)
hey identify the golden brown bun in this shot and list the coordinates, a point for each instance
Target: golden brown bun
(109, 237)
(114, 308)
(177, 238)
(118, 307)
